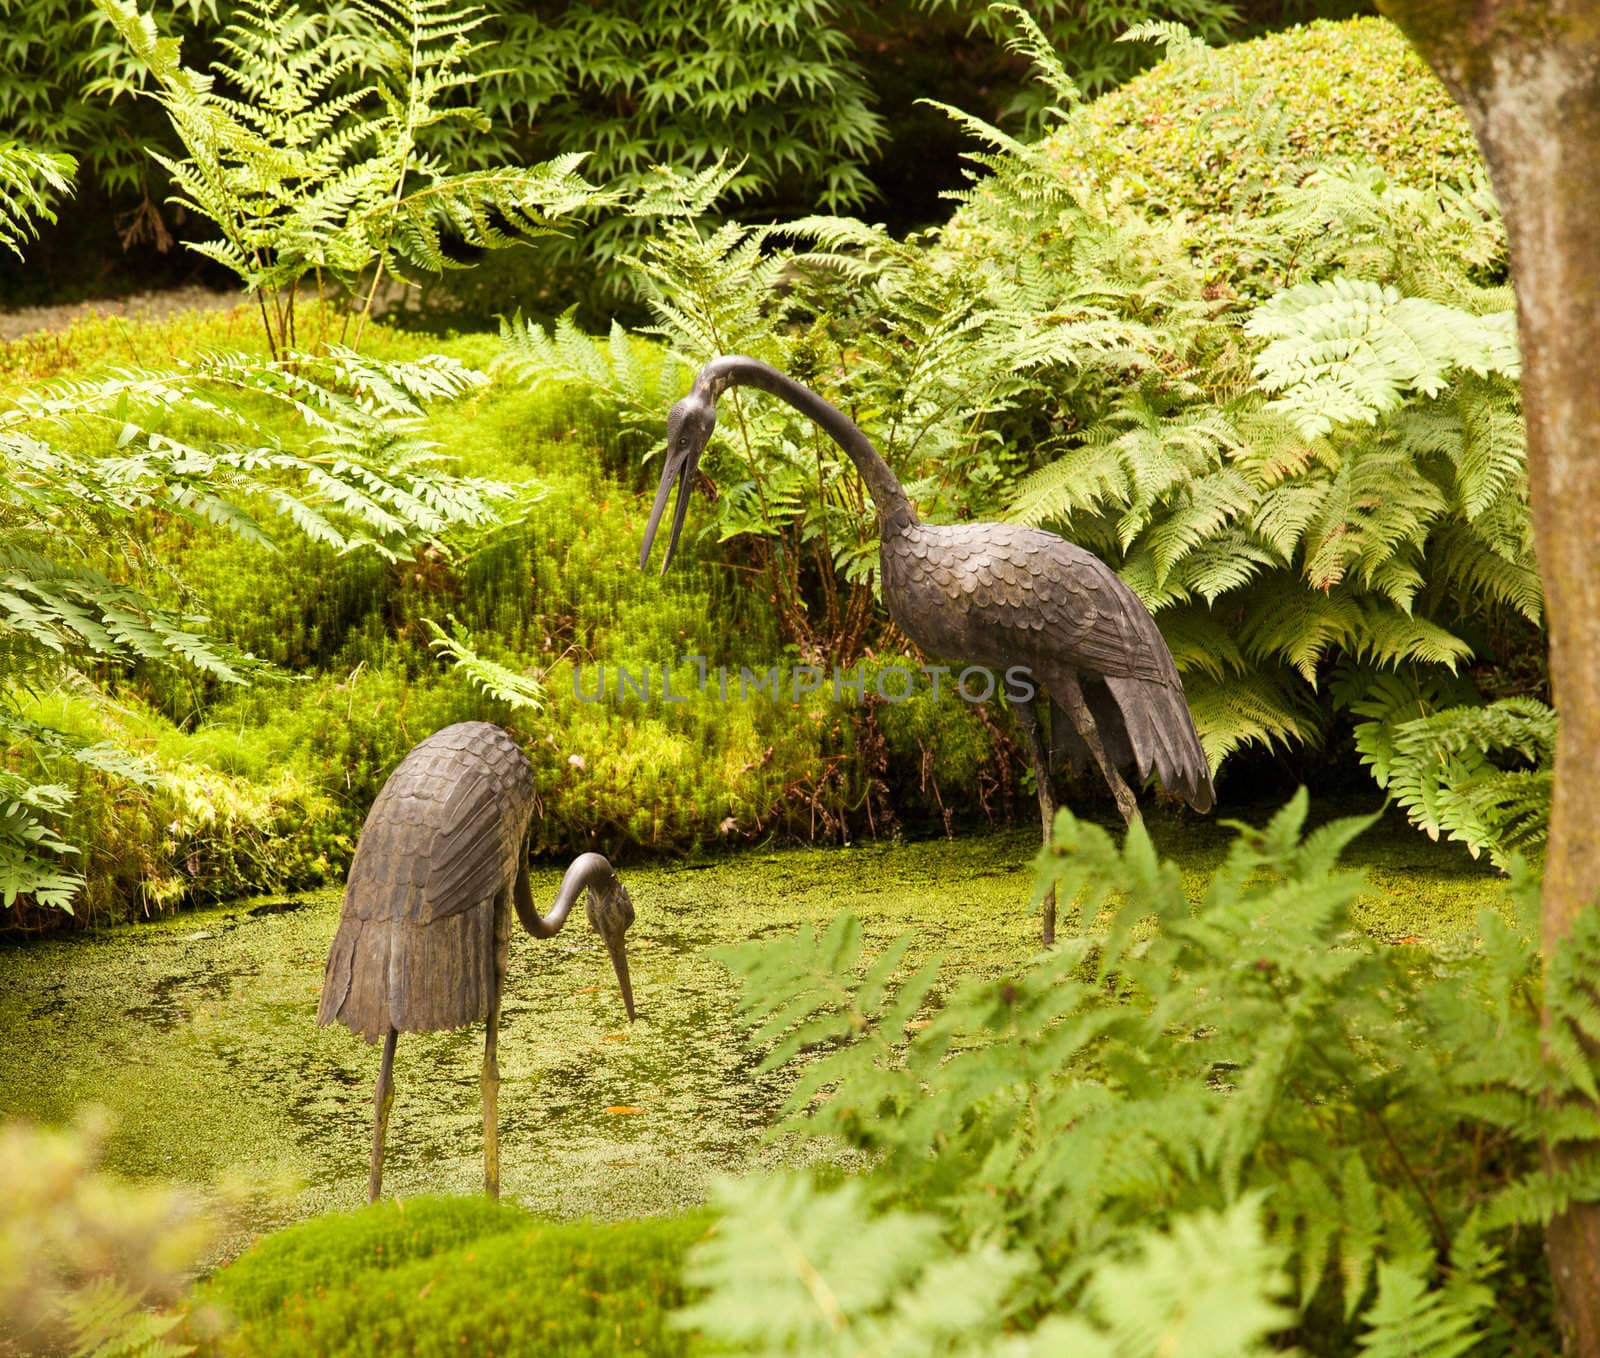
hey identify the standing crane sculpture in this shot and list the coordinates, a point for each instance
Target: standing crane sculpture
(995, 594)
(426, 926)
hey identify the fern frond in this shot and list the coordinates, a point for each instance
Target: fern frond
(1259, 708)
(29, 181)
(1410, 1320)
(493, 680)
(1345, 351)
(32, 850)
(1178, 40)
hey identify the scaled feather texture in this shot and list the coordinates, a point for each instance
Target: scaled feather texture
(1027, 597)
(427, 908)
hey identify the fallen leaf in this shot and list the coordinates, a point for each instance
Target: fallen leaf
(624, 1108)
(614, 1037)
(590, 989)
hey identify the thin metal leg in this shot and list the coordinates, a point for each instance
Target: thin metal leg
(382, 1101)
(491, 1044)
(1028, 716)
(491, 1104)
(1066, 691)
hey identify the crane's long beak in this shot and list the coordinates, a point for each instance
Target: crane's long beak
(619, 960)
(680, 467)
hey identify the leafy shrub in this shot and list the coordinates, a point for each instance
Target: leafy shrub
(441, 1276)
(772, 86)
(1211, 133)
(86, 1259)
(1178, 1072)
(305, 149)
(228, 440)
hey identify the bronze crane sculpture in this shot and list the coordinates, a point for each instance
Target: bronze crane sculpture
(995, 594)
(426, 926)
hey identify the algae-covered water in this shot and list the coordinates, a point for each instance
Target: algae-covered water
(198, 1033)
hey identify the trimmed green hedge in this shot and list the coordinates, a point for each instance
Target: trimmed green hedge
(1210, 136)
(434, 1276)
(1210, 133)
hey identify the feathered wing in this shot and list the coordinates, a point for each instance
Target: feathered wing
(427, 903)
(1027, 597)
(1102, 630)
(1144, 728)
(1162, 738)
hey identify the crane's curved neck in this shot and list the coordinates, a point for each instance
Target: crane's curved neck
(895, 511)
(589, 869)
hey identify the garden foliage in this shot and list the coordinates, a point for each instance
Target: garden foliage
(307, 149)
(1299, 440)
(89, 1264)
(30, 181)
(314, 449)
(1476, 772)
(789, 90)
(1304, 452)
(1189, 1128)
(446, 1276)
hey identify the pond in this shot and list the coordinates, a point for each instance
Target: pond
(198, 1033)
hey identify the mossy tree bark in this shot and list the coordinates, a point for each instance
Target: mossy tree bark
(1527, 73)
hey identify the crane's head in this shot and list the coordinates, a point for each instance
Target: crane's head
(689, 427)
(610, 911)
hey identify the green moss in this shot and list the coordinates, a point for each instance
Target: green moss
(330, 1251)
(94, 344)
(204, 828)
(453, 1275)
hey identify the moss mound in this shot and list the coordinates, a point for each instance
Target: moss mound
(1210, 132)
(450, 1275)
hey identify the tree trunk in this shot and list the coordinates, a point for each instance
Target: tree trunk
(1527, 73)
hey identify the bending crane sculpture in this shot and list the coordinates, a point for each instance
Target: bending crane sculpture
(995, 594)
(426, 926)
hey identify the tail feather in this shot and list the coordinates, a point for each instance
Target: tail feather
(442, 973)
(414, 978)
(1160, 731)
(355, 988)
